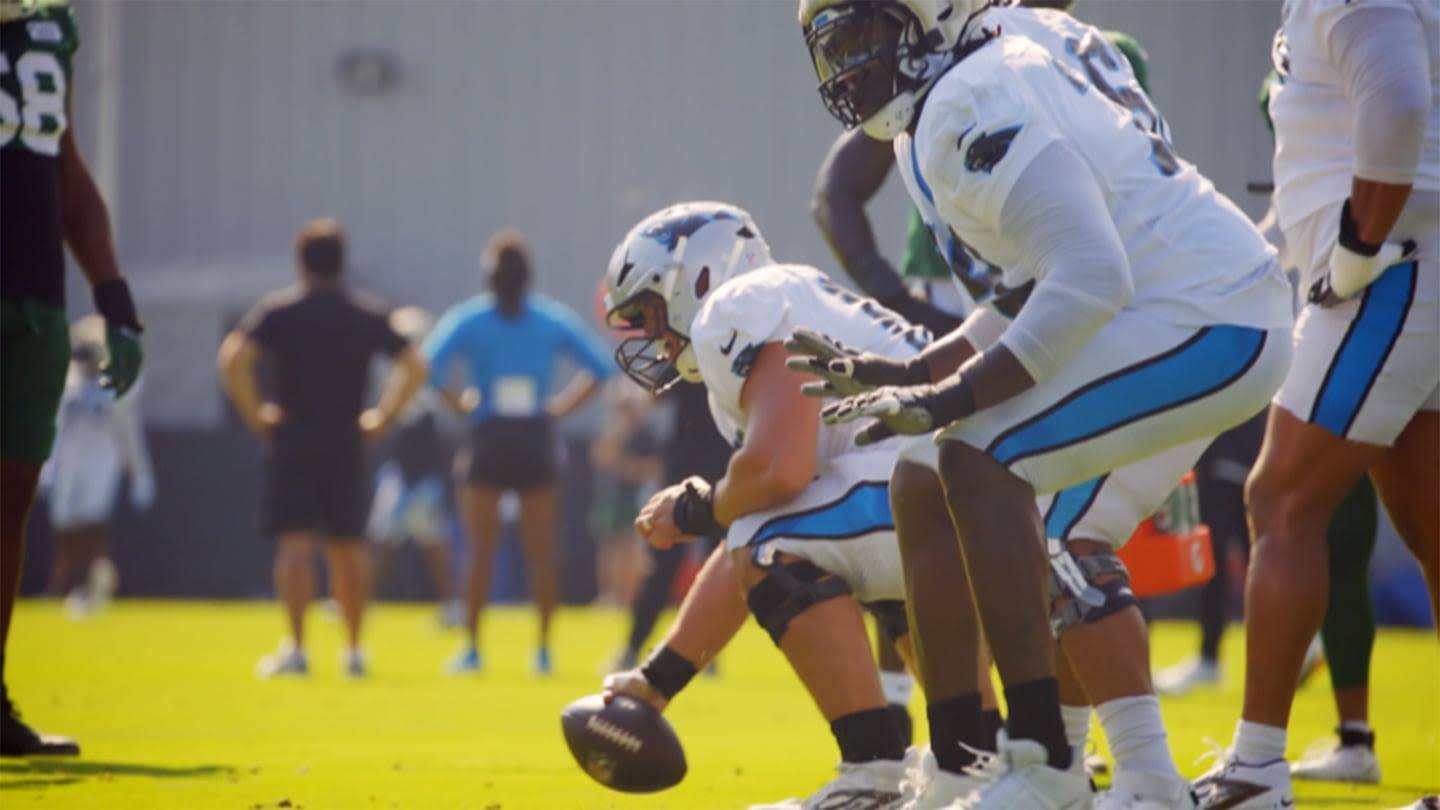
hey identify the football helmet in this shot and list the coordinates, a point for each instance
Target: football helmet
(876, 59)
(660, 273)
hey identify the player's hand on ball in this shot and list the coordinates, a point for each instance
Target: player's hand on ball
(844, 371)
(632, 682)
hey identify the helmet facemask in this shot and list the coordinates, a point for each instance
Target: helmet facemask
(873, 60)
(649, 357)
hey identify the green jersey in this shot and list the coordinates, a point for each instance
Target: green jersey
(35, 69)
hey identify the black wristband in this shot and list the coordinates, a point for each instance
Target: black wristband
(1350, 234)
(113, 302)
(667, 671)
(695, 512)
(952, 401)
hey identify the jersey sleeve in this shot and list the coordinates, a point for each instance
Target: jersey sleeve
(443, 343)
(976, 143)
(728, 332)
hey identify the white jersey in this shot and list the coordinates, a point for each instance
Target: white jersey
(1195, 259)
(1314, 122)
(766, 305)
(93, 429)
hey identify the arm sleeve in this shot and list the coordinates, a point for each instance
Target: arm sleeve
(1058, 216)
(1384, 60)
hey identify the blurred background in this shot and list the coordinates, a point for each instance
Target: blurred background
(215, 128)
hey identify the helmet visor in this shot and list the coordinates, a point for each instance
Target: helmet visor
(855, 48)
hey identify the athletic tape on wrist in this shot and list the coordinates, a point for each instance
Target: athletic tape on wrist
(695, 511)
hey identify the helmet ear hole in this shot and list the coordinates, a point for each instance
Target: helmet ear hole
(702, 282)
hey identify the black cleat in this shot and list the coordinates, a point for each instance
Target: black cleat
(19, 740)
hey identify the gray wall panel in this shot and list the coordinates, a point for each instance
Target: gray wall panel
(567, 119)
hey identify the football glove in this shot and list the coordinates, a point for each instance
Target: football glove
(695, 509)
(1354, 264)
(910, 411)
(122, 335)
(844, 371)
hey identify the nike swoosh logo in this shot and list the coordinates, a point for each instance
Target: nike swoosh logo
(725, 350)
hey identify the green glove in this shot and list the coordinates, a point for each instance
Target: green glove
(122, 335)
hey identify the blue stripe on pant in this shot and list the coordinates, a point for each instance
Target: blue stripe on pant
(1069, 506)
(862, 510)
(1367, 344)
(1214, 358)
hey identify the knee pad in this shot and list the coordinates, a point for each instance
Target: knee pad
(1076, 598)
(890, 615)
(789, 589)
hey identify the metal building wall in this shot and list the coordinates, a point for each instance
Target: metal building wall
(217, 127)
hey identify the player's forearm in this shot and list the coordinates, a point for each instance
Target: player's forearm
(947, 354)
(236, 363)
(84, 217)
(1375, 208)
(759, 479)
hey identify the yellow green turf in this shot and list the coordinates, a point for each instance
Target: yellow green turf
(163, 698)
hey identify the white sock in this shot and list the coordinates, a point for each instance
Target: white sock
(1137, 735)
(898, 687)
(1077, 724)
(1257, 743)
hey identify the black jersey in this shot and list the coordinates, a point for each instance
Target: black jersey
(35, 70)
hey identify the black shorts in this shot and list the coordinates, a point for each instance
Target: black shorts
(508, 453)
(316, 485)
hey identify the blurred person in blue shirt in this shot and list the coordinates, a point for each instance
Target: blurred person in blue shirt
(508, 342)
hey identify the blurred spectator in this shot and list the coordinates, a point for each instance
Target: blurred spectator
(98, 441)
(319, 338)
(410, 501)
(509, 342)
(626, 460)
(48, 200)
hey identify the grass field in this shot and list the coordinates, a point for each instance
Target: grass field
(163, 698)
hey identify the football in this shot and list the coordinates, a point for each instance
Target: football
(626, 745)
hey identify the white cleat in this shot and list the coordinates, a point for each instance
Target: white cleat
(1134, 790)
(864, 786)
(1181, 678)
(1343, 763)
(1236, 785)
(1028, 783)
(288, 660)
(926, 787)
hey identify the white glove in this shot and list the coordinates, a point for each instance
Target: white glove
(1354, 265)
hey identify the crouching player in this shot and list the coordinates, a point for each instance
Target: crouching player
(805, 512)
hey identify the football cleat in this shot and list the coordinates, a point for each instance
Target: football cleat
(543, 667)
(1236, 785)
(871, 785)
(1186, 675)
(19, 740)
(465, 662)
(1353, 760)
(288, 660)
(1029, 783)
(926, 787)
(353, 663)
(1132, 790)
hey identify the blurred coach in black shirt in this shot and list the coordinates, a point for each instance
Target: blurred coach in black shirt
(318, 338)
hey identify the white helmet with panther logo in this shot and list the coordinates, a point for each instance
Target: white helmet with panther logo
(659, 275)
(877, 58)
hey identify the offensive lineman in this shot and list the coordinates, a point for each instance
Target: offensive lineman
(48, 200)
(1153, 313)
(805, 513)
